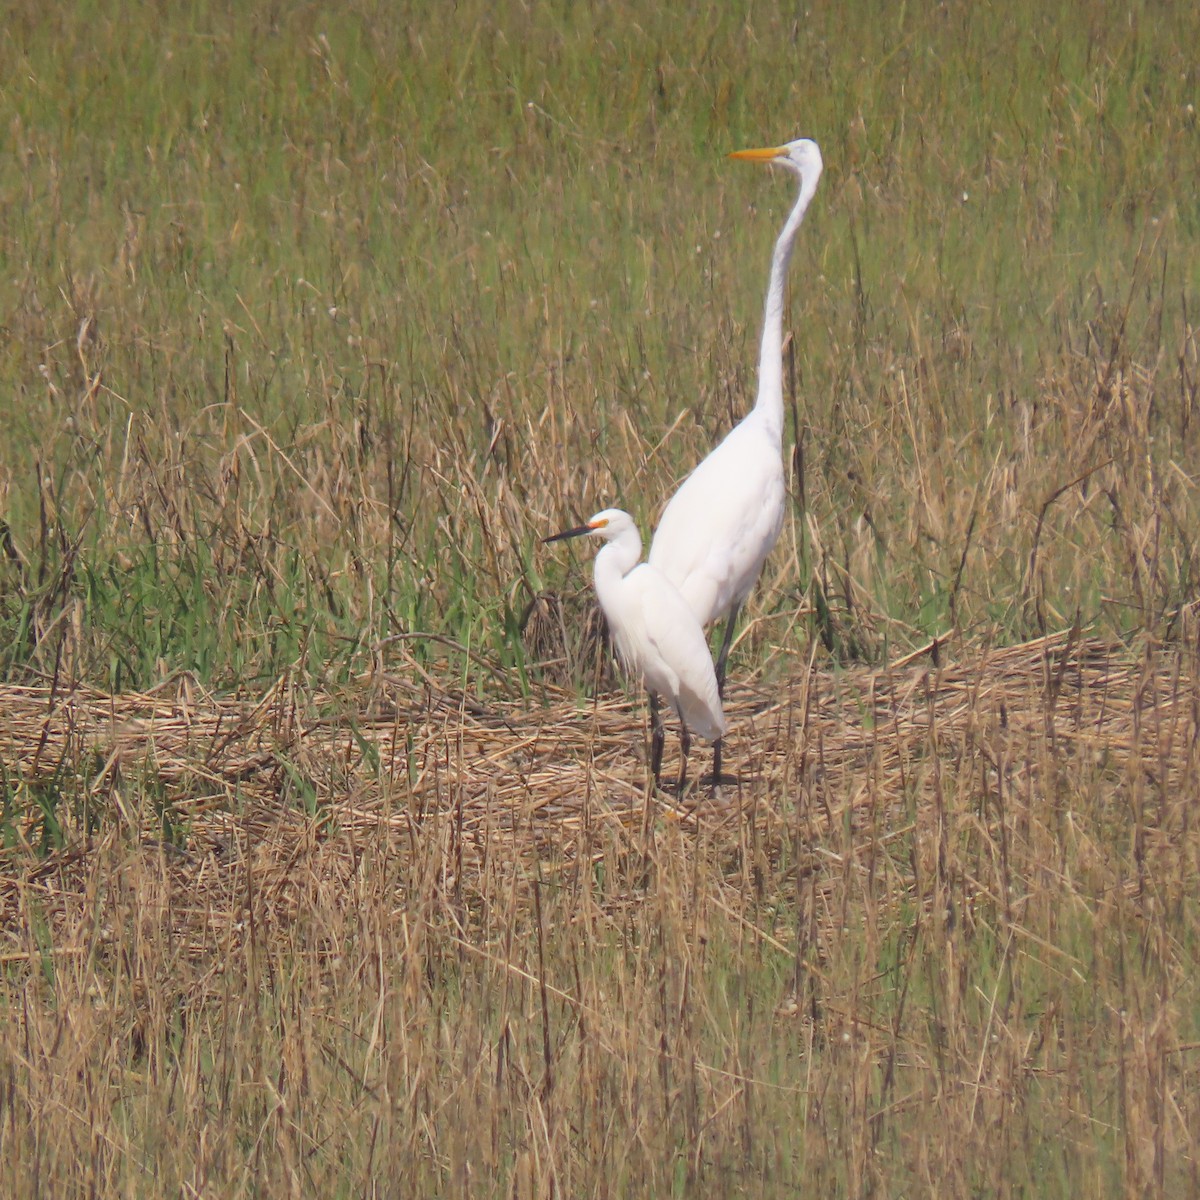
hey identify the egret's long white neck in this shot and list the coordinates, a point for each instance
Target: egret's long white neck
(616, 560)
(769, 405)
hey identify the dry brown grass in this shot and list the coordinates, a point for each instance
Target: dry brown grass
(318, 942)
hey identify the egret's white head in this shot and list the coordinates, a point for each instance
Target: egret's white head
(609, 525)
(802, 157)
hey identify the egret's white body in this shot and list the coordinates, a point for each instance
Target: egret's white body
(718, 528)
(658, 638)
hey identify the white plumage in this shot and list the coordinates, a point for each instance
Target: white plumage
(717, 530)
(658, 639)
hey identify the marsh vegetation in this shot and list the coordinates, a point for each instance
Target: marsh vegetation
(329, 860)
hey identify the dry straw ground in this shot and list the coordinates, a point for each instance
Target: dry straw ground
(301, 945)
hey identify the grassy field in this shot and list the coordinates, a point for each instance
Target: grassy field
(329, 862)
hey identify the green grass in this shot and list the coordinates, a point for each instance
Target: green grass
(316, 292)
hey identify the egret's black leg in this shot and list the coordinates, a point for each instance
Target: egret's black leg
(722, 658)
(726, 642)
(657, 737)
(685, 745)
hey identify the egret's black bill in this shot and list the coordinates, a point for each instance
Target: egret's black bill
(578, 531)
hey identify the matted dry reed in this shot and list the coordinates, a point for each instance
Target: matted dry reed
(253, 791)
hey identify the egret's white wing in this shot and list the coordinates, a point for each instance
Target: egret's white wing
(675, 660)
(718, 528)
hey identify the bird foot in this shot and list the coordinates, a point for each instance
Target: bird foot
(708, 789)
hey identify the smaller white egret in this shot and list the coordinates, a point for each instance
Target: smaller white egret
(658, 638)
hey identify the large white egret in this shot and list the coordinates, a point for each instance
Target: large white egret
(659, 640)
(718, 528)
